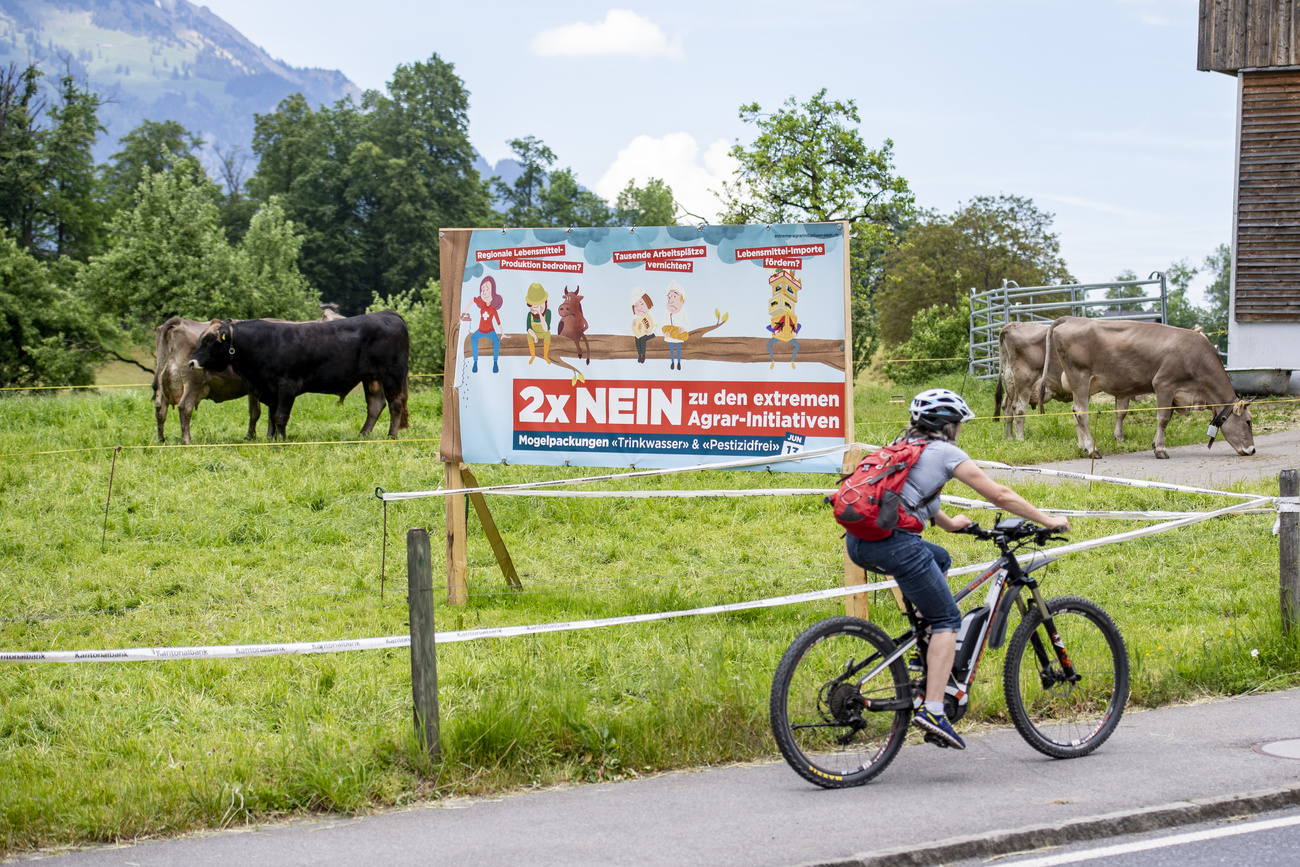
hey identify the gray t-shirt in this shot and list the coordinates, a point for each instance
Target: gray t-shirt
(932, 471)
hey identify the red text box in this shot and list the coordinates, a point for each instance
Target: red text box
(540, 265)
(680, 267)
(743, 253)
(677, 407)
(519, 252)
(660, 254)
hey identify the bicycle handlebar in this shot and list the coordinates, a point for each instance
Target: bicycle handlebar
(1024, 530)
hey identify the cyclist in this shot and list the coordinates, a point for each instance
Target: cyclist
(921, 567)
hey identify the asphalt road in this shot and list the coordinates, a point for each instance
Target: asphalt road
(1196, 464)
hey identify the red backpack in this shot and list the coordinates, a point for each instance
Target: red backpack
(869, 500)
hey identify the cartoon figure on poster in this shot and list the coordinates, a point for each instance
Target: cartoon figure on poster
(677, 325)
(780, 307)
(643, 323)
(489, 320)
(573, 324)
(538, 323)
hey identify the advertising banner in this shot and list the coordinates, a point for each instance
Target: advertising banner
(652, 347)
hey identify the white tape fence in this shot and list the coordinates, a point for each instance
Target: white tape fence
(1170, 521)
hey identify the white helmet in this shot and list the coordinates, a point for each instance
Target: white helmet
(938, 406)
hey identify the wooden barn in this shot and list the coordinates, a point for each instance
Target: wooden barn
(1258, 41)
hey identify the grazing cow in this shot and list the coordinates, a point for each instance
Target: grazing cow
(281, 360)
(1127, 358)
(1022, 349)
(177, 384)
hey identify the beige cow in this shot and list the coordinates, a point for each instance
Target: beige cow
(1023, 349)
(1127, 358)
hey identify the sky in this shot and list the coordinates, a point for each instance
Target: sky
(1094, 110)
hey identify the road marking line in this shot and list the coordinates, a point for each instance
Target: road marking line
(1146, 845)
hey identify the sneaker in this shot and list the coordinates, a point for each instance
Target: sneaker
(938, 726)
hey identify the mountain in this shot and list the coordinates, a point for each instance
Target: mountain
(159, 60)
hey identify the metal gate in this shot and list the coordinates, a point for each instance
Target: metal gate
(991, 310)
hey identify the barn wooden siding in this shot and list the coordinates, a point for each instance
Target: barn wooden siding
(1248, 34)
(1268, 198)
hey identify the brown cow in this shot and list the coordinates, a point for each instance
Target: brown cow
(1022, 349)
(1127, 358)
(175, 383)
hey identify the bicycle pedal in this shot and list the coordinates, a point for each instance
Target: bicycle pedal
(936, 740)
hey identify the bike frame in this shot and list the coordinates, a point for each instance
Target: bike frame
(1005, 579)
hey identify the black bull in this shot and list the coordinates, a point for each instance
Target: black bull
(281, 360)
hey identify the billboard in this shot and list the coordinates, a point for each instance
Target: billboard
(651, 347)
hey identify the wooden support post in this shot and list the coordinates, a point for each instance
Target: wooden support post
(457, 528)
(1288, 539)
(424, 656)
(453, 247)
(859, 604)
(490, 530)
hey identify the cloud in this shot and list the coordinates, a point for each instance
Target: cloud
(676, 160)
(622, 32)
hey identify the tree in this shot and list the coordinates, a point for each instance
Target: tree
(169, 257)
(71, 219)
(421, 124)
(41, 326)
(152, 147)
(809, 163)
(1217, 295)
(307, 159)
(422, 310)
(523, 197)
(20, 158)
(268, 262)
(939, 344)
(564, 203)
(47, 177)
(237, 208)
(369, 186)
(1179, 311)
(651, 205)
(986, 241)
(542, 197)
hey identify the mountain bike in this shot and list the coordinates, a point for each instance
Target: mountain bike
(844, 691)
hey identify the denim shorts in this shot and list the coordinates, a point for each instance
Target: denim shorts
(918, 566)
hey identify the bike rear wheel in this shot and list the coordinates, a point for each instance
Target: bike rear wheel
(1058, 715)
(818, 707)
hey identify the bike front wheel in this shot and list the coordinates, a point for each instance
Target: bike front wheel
(819, 706)
(1066, 712)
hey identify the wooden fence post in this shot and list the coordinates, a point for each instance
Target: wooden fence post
(1288, 540)
(424, 657)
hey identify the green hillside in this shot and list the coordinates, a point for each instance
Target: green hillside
(163, 60)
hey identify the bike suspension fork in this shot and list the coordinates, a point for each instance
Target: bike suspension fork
(1058, 646)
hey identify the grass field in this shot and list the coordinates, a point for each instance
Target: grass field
(225, 542)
